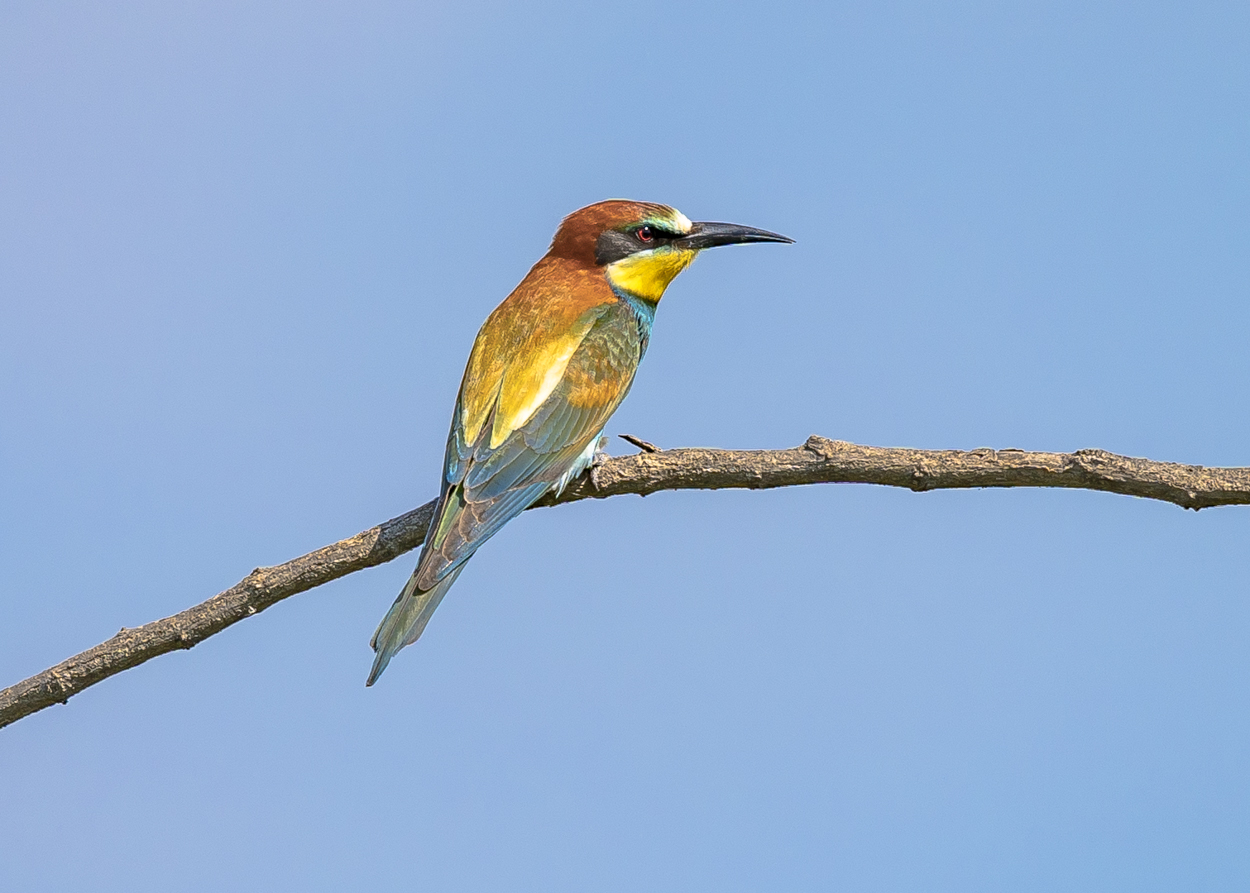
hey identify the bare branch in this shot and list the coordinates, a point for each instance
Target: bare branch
(640, 443)
(815, 462)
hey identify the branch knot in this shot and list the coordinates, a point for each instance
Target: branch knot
(824, 447)
(921, 477)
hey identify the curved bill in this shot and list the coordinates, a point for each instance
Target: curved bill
(711, 235)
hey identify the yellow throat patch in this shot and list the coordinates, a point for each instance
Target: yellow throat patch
(647, 274)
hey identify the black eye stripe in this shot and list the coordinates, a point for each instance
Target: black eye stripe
(616, 244)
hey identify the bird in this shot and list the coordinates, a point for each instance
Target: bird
(548, 368)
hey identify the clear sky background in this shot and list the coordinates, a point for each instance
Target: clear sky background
(244, 249)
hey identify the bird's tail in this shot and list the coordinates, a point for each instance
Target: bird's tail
(405, 621)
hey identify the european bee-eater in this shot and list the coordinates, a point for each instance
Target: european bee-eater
(548, 368)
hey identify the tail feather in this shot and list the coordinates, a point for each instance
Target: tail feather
(406, 620)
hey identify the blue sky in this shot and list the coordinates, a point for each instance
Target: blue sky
(244, 249)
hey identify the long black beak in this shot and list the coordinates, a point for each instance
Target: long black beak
(710, 235)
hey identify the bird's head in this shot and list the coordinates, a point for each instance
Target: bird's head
(640, 246)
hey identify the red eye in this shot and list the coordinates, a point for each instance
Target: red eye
(646, 234)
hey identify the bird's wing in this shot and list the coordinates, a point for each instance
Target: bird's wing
(528, 437)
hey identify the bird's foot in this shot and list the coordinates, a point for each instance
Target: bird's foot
(598, 458)
(601, 453)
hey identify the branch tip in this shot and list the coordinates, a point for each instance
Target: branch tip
(643, 445)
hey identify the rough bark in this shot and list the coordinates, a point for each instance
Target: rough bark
(815, 462)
